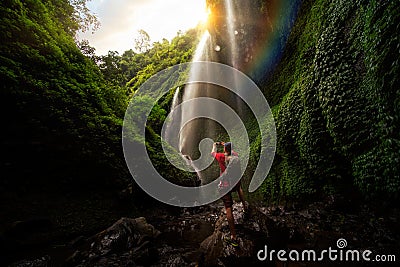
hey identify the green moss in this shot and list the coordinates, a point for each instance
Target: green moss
(337, 89)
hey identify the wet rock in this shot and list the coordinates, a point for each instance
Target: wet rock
(195, 237)
(126, 242)
(176, 261)
(175, 256)
(254, 231)
(216, 251)
(124, 234)
(40, 262)
(113, 260)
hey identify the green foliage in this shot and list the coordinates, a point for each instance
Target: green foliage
(376, 170)
(110, 67)
(71, 16)
(137, 68)
(134, 69)
(162, 164)
(337, 89)
(335, 98)
(56, 108)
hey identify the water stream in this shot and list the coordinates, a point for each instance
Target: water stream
(194, 140)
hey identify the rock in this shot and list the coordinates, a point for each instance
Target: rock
(122, 235)
(253, 233)
(40, 262)
(125, 259)
(126, 242)
(176, 261)
(215, 250)
(175, 256)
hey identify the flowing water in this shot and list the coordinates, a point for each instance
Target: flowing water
(194, 140)
(249, 37)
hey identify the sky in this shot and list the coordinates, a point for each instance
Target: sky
(122, 19)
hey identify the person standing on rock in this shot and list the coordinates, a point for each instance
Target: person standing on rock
(223, 160)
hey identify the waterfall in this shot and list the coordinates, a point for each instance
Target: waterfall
(232, 32)
(207, 106)
(202, 51)
(168, 133)
(192, 134)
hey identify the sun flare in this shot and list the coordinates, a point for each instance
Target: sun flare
(204, 15)
(199, 15)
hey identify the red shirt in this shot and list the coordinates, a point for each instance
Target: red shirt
(220, 157)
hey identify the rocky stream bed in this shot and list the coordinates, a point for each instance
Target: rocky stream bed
(194, 237)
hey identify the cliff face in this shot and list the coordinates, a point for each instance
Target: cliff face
(334, 93)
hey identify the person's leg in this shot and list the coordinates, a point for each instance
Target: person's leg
(231, 222)
(239, 190)
(228, 201)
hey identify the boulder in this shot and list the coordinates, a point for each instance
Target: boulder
(39, 262)
(126, 242)
(254, 231)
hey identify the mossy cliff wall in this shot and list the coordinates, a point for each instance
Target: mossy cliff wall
(335, 96)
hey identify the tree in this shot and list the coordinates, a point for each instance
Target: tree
(88, 51)
(110, 67)
(72, 15)
(51, 91)
(142, 42)
(86, 20)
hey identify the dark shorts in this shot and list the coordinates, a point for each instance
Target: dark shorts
(227, 199)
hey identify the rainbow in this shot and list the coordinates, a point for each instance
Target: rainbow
(268, 51)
